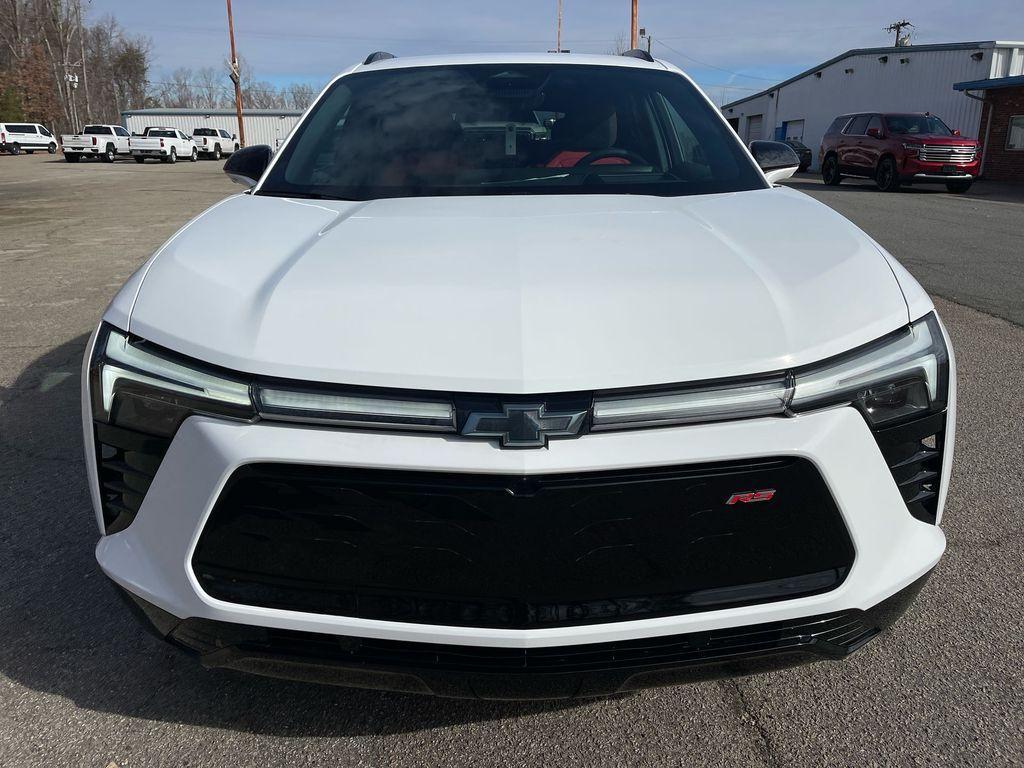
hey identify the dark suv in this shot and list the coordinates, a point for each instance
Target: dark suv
(895, 149)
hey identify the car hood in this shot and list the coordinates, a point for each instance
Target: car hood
(518, 294)
(935, 138)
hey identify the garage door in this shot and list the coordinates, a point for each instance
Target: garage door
(795, 130)
(754, 127)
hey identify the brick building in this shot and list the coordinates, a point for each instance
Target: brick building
(1002, 134)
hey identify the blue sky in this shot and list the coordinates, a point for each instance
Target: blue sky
(730, 48)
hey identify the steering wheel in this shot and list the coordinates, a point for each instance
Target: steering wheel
(601, 154)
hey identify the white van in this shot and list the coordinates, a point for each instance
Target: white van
(15, 137)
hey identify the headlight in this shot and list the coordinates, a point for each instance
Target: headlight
(138, 387)
(141, 387)
(354, 410)
(899, 377)
(731, 401)
(896, 378)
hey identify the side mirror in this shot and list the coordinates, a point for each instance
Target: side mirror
(956, 131)
(777, 160)
(247, 165)
(875, 133)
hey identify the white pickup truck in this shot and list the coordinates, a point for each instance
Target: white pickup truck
(165, 144)
(214, 142)
(103, 141)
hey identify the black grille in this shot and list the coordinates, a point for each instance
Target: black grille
(914, 454)
(520, 552)
(127, 462)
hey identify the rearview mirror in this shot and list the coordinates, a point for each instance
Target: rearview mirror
(247, 165)
(875, 133)
(776, 159)
(956, 131)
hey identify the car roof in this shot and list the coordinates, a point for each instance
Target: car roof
(607, 60)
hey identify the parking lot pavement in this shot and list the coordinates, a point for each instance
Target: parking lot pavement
(82, 685)
(968, 248)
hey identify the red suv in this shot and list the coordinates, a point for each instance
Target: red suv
(895, 149)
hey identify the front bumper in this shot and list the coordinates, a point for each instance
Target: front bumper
(153, 557)
(916, 171)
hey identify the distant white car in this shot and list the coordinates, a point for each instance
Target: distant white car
(15, 137)
(103, 141)
(214, 142)
(164, 144)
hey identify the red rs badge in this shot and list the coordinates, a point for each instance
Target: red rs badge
(748, 497)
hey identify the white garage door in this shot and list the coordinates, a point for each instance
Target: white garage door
(795, 129)
(754, 127)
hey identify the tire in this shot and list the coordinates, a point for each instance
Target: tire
(216, 152)
(52, 149)
(194, 156)
(830, 171)
(958, 187)
(139, 160)
(109, 155)
(72, 157)
(14, 149)
(887, 178)
(173, 157)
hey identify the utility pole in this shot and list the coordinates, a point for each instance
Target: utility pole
(85, 70)
(558, 30)
(633, 28)
(896, 27)
(235, 78)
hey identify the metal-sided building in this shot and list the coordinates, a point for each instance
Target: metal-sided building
(262, 126)
(915, 78)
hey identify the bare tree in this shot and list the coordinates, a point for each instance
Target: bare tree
(621, 44)
(44, 41)
(211, 89)
(300, 95)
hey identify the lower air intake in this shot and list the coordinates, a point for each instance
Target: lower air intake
(914, 454)
(521, 552)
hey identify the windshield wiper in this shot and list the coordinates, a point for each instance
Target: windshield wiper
(300, 195)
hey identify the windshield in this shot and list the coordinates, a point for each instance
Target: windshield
(161, 134)
(97, 130)
(511, 129)
(923, 124)
(204, 132)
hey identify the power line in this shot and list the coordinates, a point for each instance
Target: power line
(659, 41)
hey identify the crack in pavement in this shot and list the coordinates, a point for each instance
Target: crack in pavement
(746, 713)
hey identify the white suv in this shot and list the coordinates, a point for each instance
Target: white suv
(511, 376)
(26, 137)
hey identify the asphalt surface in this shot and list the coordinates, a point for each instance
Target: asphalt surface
(82, 685)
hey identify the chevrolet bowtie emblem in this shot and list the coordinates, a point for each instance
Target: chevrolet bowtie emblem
(524, 426)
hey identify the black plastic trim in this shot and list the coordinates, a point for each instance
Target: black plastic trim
(638, 53)
(570, 671)
(378, 56)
